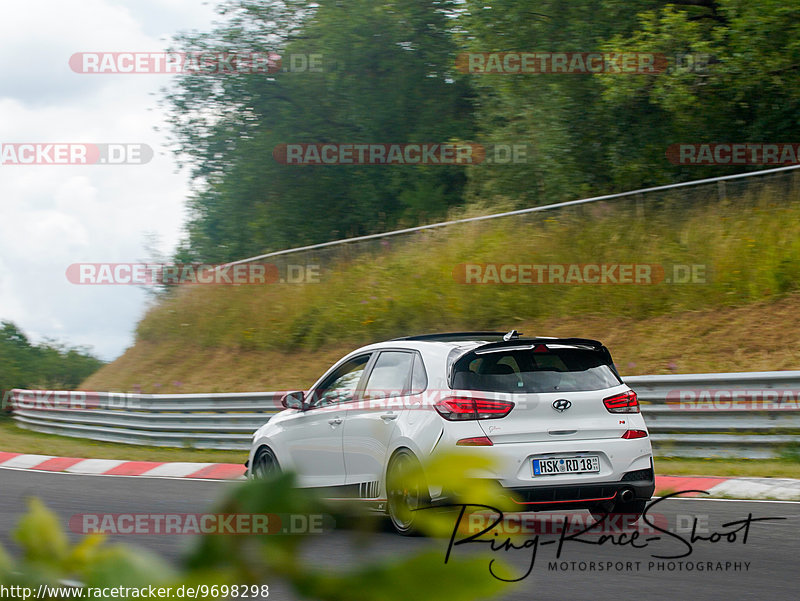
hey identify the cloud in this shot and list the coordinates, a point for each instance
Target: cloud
(55, 215)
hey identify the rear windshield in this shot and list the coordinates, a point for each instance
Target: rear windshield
(523, 370)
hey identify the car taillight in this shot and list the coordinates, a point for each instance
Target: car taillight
(622, 403)
(478, 441)
(463, 408)
(634, 434)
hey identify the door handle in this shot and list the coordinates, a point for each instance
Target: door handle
(388, 416)
(335, 421)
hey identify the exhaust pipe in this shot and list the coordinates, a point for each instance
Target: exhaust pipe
(626, 495)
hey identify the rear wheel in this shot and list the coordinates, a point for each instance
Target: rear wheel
(406, 492)
(265, 465)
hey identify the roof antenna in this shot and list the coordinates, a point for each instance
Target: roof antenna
(511, 335)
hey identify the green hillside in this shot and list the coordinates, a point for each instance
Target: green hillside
(259, 336)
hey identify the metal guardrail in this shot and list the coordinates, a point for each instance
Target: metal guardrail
(720, 181)
(753, 414)
(750, 414)
(202, 421)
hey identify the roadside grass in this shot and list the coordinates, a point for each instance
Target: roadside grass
(739, 468)
(18, 440)
(760, 336)
(408, 285)
(283, 336)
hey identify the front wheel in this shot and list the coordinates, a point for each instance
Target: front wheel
(406, 492)
(265, 464)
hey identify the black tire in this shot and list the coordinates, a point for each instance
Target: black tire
(630, 511)
(403, 498)
(265, 464)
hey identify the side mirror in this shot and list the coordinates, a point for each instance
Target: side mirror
(293, 400)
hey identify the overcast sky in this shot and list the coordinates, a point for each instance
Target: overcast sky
(54, 215)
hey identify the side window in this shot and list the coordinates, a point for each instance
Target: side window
(419, 379)
(390, 375)
(340, 386)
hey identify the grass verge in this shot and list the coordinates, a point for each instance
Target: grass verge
(18, 440)
(744, 250)
(734, 468)
(283, 335)
(758, 337)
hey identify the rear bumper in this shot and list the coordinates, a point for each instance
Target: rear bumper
(581, 496)
(551, 497)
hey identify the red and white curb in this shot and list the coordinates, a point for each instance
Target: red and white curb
(786, 489)
(118, 467)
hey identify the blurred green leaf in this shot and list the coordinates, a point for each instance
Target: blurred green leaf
(41, 536)
(118, 565)
(404, 579)
(6, 564)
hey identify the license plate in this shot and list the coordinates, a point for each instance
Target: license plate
(566, 465)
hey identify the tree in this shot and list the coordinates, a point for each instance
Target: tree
(387, 77)
(46, 365)
(740, 83)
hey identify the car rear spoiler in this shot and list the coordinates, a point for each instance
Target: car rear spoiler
(516, 343)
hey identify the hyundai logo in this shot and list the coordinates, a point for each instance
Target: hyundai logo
(561, 405)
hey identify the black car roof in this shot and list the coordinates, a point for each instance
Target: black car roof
(500, 340)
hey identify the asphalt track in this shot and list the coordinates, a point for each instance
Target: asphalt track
(767, 562)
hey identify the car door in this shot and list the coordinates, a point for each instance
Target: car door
(314, 441)
(371, 422)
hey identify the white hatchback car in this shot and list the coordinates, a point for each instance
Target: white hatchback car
(563, 430)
